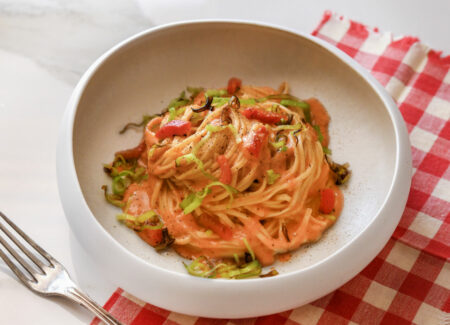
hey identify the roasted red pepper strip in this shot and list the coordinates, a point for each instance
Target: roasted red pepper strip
(233, 85)
(327, 198)
(133, 153)
(225, 170)
(261, 115)
(175, 127)
(255, 142)
(151, 236)
(216, 226)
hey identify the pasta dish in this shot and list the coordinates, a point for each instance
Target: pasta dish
(231, 178)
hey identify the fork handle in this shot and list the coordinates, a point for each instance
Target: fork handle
(83, 299)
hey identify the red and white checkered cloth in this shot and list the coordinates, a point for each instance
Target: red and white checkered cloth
(409, 281)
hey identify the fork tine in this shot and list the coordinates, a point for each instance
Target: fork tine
(30, 241)
(30, 255)
(15, 269)
(18, 258)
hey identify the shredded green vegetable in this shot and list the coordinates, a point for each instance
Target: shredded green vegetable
(280, 145)
(196, 118)
(215, 92)
(273, 108)
(124, 179)
(113, 168)
(303, 105)
(319, 133)
(191, 157)
(329, 216)
(144, 122)
(220, 101)
(194, 91)
(147, 220)
(294, 103)
(290, 127)
(202, 267)
(174, 113)
(217, 128)
(320, 138)
(194, 200)
(113, 199)
(272, 176)
(179, 101)
(250, 250)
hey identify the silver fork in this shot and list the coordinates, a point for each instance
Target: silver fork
(49, 279)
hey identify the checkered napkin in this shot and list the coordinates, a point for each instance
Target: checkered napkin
(409, 281)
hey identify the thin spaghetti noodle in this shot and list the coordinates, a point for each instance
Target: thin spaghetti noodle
(231, 173)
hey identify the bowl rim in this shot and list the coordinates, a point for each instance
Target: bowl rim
(399, 185)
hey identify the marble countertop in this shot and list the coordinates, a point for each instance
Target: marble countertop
(46, 45)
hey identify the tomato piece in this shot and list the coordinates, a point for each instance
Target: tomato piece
(151, 236)
(133, 153)
(175, 127)
(261, 115)
(233, 85)
(217, 227)
(255, 142)
(225, 170)
(327, 199)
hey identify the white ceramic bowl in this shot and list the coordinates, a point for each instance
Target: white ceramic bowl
(143, 73)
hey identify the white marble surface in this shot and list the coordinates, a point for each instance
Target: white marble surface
(45, 45)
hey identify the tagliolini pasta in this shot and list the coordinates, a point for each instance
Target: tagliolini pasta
(230, 178)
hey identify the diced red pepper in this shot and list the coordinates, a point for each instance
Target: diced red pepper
(225, 170)
(263, 116)
(233, 85)
(133, 153)
(256, 141)
(216, 226)
(152, 237)
(327, 198)
(175, 127)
